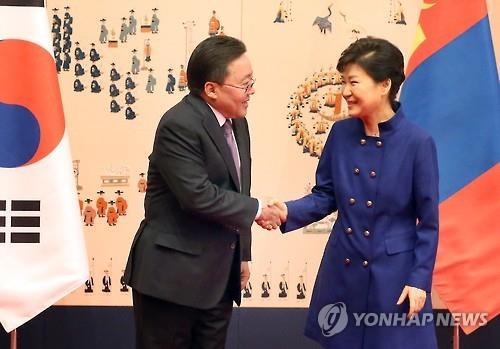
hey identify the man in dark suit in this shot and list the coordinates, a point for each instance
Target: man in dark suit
(188, 261)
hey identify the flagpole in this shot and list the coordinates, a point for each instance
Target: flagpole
(13, 339)
(456, 336)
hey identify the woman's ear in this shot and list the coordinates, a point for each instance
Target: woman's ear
(386, 85)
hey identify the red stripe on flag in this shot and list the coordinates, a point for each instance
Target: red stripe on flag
(441, 22)
(467, 272)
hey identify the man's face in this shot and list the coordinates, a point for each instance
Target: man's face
(233, 94)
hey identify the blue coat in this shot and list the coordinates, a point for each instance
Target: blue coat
(386, 192)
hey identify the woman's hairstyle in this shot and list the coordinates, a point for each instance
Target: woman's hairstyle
(379, 58)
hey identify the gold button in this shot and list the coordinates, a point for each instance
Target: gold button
(348, 230)
(356, 171)
(366, 233)
(369, 203)
(365, 264)
(352, 201)
(233, 246)
(373, 174)
(379, 143)
(347, 261)
(362, 141)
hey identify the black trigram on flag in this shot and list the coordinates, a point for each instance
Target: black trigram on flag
(22, 219)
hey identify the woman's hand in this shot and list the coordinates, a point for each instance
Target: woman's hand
(416, 298)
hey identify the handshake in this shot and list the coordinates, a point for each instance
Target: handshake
(273, 215)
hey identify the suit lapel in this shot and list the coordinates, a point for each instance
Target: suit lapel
(243, 141)
(217, 135)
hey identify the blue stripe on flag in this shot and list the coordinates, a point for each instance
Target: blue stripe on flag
(455, 96)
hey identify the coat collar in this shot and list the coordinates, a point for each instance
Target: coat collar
(216, 134)
(394, 122)
(387, 127)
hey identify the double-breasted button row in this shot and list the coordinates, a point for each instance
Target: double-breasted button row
(348, 261)
(352, 201)
(357, 171)
(349, 231)
(378, 143)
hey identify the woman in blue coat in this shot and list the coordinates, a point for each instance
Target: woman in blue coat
(379, 170)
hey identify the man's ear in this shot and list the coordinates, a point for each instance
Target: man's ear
(210, 90)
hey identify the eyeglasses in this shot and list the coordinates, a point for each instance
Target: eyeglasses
(245, 88)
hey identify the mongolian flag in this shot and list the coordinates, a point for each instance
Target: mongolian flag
(452, 90)
(42, 251)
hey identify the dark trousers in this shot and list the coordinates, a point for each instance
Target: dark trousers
(164, 325)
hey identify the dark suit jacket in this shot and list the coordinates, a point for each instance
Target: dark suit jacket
(196, 217)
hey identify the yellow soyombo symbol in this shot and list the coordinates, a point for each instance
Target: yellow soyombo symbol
(420, 35)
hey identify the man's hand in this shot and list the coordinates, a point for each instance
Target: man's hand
(269, 218)
(416, 297)
(244, 274)
(283, 210)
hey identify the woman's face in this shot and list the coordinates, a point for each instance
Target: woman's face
(364, 96)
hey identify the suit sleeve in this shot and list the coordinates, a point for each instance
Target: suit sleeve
(246, 245)
(426, 197)
(178, 155)
(321, 202)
